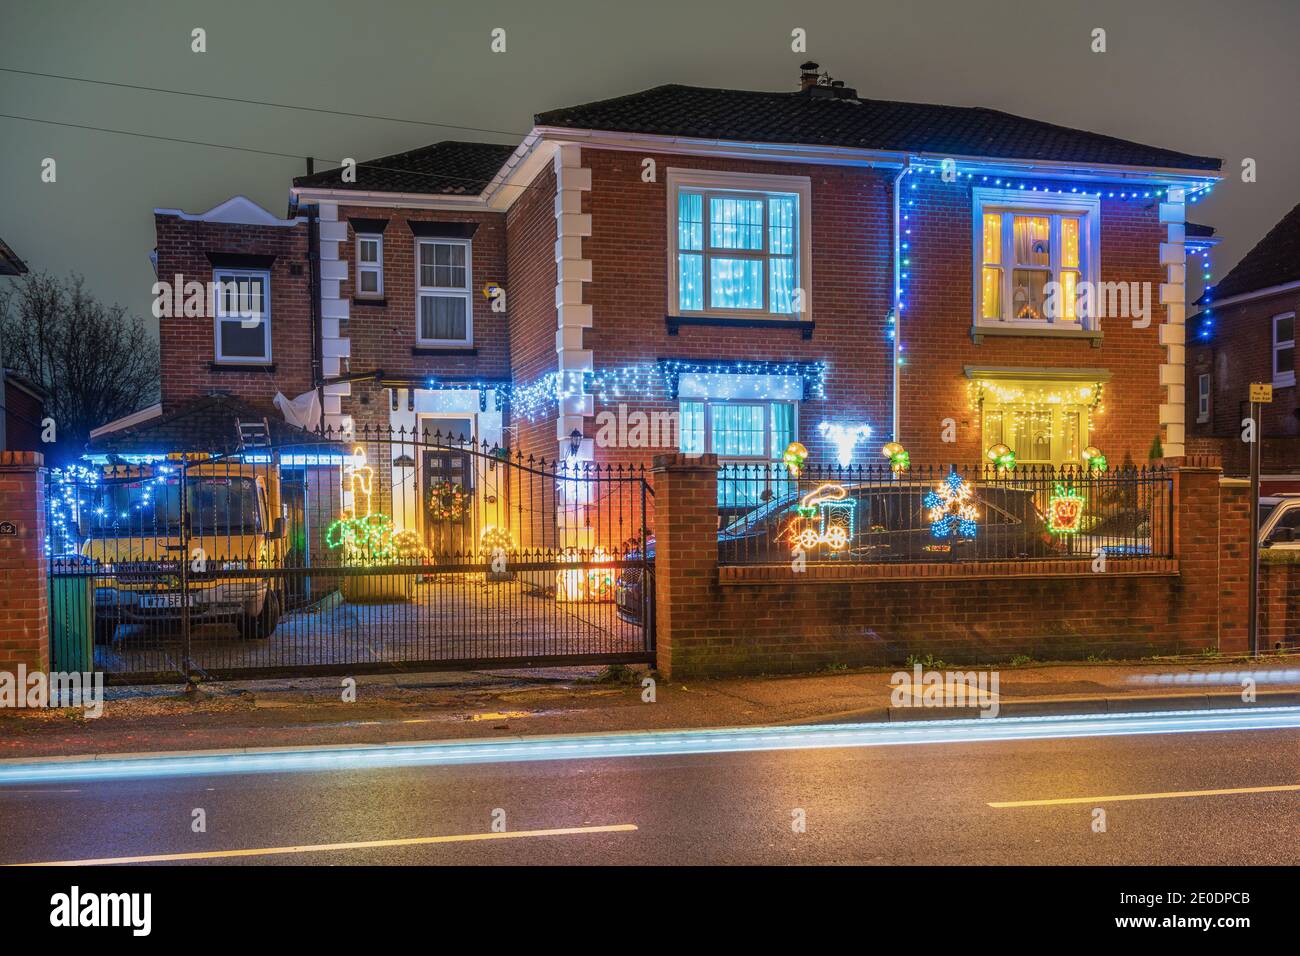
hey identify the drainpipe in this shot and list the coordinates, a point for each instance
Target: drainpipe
(317, 352)
(897, 312)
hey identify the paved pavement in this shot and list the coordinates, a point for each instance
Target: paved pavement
(482, 705)
(909, 804)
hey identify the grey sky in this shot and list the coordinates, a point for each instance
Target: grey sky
(1206, 77)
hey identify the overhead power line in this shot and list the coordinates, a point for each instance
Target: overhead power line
(251, 102)
(241, 149)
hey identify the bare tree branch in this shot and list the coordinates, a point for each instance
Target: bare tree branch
(96, 362)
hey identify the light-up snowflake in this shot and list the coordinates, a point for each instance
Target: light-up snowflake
(952, 510)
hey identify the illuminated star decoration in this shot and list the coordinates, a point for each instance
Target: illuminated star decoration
(1064, 510)
(952, 511)
(844, 438)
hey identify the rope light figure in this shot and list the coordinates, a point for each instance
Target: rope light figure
(367, 538)
(953, 513)
(835, 528)
(1065, 510)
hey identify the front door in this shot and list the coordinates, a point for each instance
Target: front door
(448, 488)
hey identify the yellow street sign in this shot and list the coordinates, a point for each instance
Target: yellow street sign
(1261, 393)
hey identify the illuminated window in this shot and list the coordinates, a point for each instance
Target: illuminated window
(740, 433)
(738, 245)
(1044, 423)
(1032, 256)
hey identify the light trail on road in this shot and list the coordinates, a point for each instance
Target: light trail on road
(636, 744)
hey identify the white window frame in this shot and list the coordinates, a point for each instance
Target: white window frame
(377, 267)
(773, 454)
(1203, 398)
(1014, 202)
(446, 292)
(1287, 378)
(742, 185)
(218, 315)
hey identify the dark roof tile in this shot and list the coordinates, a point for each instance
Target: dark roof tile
(206, 424)
(825, 119)
(1275, 260)
(447, 168)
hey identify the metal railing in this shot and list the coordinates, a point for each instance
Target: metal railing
(377, 550)
(928, 514)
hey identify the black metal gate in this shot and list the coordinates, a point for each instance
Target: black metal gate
(385, 552)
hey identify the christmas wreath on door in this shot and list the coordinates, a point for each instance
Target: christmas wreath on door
(448, 501)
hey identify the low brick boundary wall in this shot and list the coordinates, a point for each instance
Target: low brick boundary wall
(768, 619)
(1279, 604)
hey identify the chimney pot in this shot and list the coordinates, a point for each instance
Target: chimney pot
(808, 75)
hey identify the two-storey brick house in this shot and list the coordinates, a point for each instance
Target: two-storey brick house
(1247, 333)
(761, 264)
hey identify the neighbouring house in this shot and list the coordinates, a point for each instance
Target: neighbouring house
(24, 400)
(1246, 332)
(760, 264)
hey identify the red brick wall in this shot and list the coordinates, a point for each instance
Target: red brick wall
(936, 324)
(383, 336)
(1279, 606)
(714, 621)
(850, 301)
(849, 291)
(530, 261)
(187, 344)
(24, 599)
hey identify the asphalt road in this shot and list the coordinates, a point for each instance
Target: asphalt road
(908, 804)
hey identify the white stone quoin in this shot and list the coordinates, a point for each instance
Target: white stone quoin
(335, 348)
(1173, 296)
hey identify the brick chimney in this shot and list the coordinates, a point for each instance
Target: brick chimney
(808, 75)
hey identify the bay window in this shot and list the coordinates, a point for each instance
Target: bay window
(443, 297)
(1031, 258)
(1044, 421)
(738, 245)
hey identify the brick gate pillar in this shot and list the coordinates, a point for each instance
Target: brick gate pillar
(686, 559)
(1234, 566)
(24, 568)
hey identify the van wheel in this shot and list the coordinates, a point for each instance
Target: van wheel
(104, 631)
(259, 626)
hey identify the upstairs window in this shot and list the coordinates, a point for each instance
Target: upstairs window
(1025, 250)
(738, 245)
(243, 316)
(1284, 349)
(444, 302)
(1203, 397)
(370, 265)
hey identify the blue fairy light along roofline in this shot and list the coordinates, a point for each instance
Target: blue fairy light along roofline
(634, 381)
